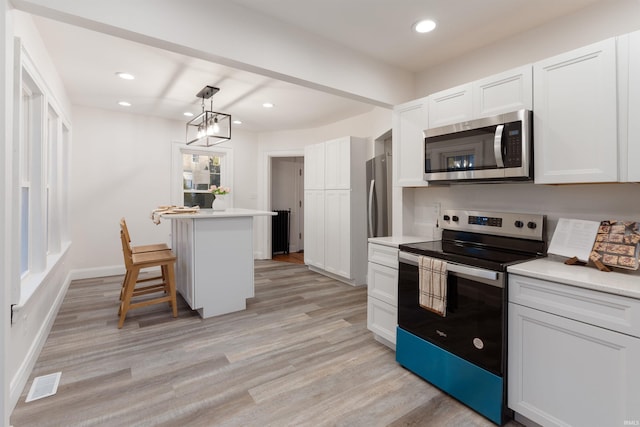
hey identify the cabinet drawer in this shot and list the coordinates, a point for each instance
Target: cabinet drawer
(382, 319)
(614, 312)
(384, 255)
(383, 283)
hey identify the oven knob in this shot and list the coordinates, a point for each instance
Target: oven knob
(455, 218)
(532, 225)
(446, 217)
(519, 224)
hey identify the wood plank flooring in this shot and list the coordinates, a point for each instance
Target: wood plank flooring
(300, 355)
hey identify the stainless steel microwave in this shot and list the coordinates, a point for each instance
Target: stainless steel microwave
(497, 148)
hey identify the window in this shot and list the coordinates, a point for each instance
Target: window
(199, 172)
(41, 140)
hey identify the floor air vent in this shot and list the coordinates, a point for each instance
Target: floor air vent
(46, 385)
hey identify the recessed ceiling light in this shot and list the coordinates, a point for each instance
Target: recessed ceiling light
(124, 103)
(237, 122)
(126, 76)
(267, 105)
(424, 26)
(188, 113)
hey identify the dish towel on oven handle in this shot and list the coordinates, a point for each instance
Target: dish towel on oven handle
(433, 284)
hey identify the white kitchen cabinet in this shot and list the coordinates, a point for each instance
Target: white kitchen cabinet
(452, 105)
(335, 215)
(382, 292)
(314, 228)
(573, 354)
(337, 164)
(508, 91)
(409, 122)
(337, 220)
(314, 155)
(575, 116)
(633, 144)
(504, 92)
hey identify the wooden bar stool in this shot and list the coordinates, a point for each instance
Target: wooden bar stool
(137, 250)
(141, 248)
(134, 264)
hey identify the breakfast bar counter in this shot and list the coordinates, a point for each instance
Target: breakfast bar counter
(214, 269)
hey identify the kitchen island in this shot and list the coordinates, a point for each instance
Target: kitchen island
(214, 269)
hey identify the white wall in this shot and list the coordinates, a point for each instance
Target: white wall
(34, 317)
(594, 202)
(121, 167)
(602, 20)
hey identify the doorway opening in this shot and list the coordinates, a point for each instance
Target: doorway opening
(287, 197)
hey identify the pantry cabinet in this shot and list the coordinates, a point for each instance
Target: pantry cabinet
(573, 354)
(335, 213)
(575, 116)
(314, 227)
(314, 167)
(409, 122)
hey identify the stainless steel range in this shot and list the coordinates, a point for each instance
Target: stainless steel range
(462, 350)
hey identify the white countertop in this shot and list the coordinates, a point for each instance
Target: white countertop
(553, 269)
(395, 241)
(211, 214)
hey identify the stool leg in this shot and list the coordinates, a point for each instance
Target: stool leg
(128, 292)
(171, 280)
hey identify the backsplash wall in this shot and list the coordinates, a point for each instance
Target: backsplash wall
(594, 202)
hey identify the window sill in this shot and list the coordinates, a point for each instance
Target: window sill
(32, 282)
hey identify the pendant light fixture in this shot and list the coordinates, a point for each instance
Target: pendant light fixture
(209, 128)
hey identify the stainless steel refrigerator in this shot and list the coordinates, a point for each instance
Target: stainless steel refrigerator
(379, 196)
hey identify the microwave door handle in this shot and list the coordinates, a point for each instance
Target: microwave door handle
(497, 146)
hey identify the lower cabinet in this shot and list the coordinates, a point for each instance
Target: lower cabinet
(382, 290)
(566, 367)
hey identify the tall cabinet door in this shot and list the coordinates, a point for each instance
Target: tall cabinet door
(575, 122)
(338, 232)
(314, 166)
(314, 228)
(409, 122)
(337, 166)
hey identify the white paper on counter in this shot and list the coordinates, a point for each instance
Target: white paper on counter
(574, 238)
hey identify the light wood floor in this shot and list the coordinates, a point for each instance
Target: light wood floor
(293, 257)
(300, 355)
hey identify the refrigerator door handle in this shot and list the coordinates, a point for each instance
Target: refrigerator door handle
(370, 219)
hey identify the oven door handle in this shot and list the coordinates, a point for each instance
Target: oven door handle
(408, 258)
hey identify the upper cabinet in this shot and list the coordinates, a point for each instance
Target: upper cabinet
(500, 93)
(449, 106)
(314, 166)
(633, 141)
(503, 93)
(575, 116)
(409, 122)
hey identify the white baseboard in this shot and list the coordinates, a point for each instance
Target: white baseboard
(19, 380)
(90, 273)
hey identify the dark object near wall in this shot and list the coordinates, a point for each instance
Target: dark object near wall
(280, 225)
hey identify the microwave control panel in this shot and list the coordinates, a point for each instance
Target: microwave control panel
(512, 138)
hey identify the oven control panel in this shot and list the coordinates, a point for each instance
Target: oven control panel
(510, 224)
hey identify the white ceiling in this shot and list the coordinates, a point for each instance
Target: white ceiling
(167, 82)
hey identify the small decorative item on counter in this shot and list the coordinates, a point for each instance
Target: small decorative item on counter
(219, 197)
(617, 244)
